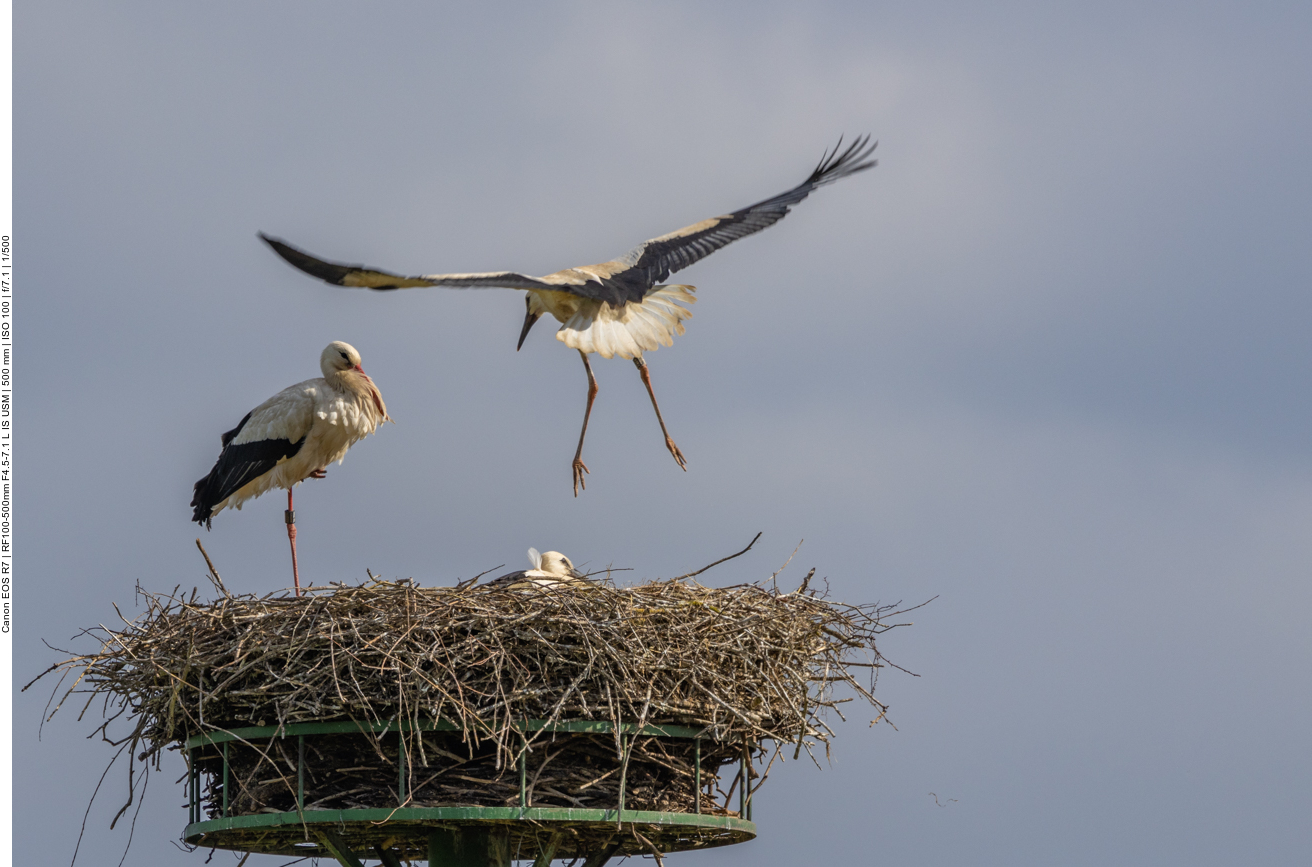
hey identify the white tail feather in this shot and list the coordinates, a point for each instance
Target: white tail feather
(630, 330)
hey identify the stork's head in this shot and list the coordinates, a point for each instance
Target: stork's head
(553, 563)
(340, 364)
(337, 357)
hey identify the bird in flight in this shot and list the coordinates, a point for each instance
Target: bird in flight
(619, 307)
(291, 437)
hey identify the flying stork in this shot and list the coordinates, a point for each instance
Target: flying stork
(291, 437)
(618, 307)
(549, 570)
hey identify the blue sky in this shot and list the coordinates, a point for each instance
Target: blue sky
(1047, 362)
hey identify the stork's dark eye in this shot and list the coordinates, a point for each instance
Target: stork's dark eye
(344, 355)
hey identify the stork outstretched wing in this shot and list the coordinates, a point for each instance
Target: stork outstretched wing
(656, 259)
(363, 277)
(621, 280)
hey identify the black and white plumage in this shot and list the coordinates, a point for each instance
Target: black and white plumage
(293, 435)
(617, 307)
(551, 569)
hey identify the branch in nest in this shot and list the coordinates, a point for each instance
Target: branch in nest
(721, 560)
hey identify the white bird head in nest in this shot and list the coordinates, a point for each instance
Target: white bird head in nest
(553, 563)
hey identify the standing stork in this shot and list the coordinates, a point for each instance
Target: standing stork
(291, 437)
(618, 307)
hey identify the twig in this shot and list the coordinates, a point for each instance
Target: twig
(461, 585)
(721, 560)
(214, 573)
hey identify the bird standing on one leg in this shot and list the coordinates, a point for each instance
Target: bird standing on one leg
(291, 437)
(618, 307)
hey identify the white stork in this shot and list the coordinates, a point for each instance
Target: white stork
(618, 307)
(293, 436)
(549, 570)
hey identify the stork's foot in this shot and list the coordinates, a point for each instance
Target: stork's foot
(320, 473)
(579, 469)
(678, 455)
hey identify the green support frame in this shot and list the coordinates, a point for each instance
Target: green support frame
(455, 836)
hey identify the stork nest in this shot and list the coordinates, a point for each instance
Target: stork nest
(742, 664)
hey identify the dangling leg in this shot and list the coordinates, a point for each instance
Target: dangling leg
(669, 443)
(579, 467)
(291, 535)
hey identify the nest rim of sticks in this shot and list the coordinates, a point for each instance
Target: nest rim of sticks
(744, 664)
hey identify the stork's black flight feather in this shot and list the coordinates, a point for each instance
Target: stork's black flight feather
(236, 466)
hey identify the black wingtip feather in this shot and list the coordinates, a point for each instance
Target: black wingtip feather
(237, 465)
(202, 511)
(326, 271)
(839, 163)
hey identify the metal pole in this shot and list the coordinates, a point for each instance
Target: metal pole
(747, 779)
(400, 766)
(300, 773)
(468, 847)
(697, 775)
(548, 853)
(743, 784)
(191, 786)
(624, 767)
(338, 848)
(387, 856)
(523, 773)
(225, 780)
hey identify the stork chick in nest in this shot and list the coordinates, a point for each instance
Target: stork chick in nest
(551, 569)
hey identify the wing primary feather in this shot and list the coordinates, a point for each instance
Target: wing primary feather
(652, 261)
(327, 271)
(237, 466)
(354, 276)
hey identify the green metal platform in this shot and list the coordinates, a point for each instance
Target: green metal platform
(456, 836)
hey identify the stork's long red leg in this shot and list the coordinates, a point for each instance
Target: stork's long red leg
(291, 535)
(669, 443)
(579, 467)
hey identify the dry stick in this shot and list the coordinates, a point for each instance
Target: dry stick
(548, 852)
(461, 585)
(721, 560)
(656, 853)
(101, 782)
(214, 573)
(785, 566)
(599, 857)
(608, 570)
